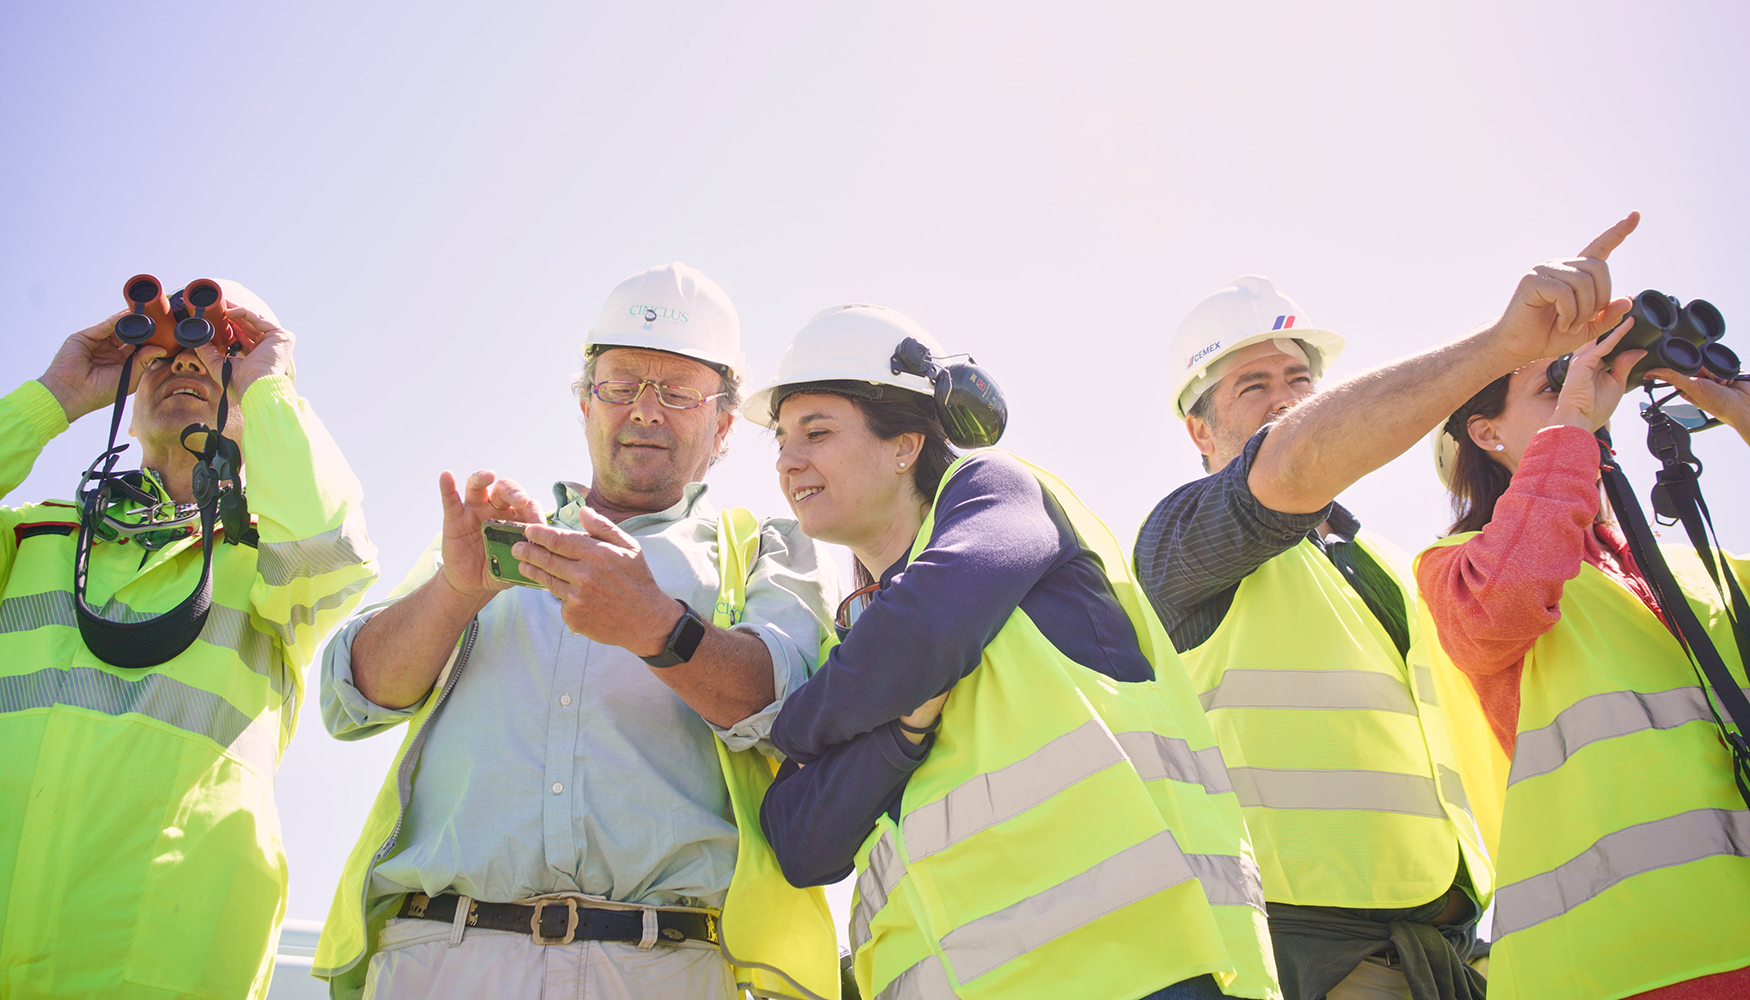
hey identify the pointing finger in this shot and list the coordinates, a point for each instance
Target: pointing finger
(1560, 294)
(1612, 238)
(1599, 271)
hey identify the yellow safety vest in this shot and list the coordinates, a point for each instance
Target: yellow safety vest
(778, 939)
(1068, 836)
(1338, 751)
(1625, 846)
(139, 843)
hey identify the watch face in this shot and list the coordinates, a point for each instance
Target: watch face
(688, 633)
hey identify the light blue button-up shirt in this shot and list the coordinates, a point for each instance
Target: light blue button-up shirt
(559, 764)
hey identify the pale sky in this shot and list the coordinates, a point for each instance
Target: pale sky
(437, 197)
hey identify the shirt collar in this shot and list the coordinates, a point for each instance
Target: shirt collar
(570, 496)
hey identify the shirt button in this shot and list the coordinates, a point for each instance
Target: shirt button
(564, 699)
(558, 787)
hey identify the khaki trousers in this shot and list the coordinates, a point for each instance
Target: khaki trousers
(424, 958)
(1372, 980)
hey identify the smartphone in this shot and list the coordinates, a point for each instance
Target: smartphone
(500, 536)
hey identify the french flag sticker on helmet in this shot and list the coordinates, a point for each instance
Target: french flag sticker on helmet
(1283, 323)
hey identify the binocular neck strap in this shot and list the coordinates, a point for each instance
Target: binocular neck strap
(160, 638)
(1680, 618)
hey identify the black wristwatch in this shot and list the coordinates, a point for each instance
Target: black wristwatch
(683, 641)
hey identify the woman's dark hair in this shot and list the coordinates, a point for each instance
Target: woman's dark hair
(897, 413)
(1477, 479)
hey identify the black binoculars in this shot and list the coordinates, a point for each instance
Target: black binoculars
(190, 318)
(1683, 338)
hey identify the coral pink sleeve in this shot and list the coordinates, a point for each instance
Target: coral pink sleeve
(1494, 595)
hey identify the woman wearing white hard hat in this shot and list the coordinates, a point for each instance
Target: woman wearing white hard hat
(1004, 745)
(1624, 847)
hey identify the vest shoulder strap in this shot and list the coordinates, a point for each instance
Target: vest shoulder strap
(738, 548)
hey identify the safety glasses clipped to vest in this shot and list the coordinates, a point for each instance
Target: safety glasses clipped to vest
(117, 506)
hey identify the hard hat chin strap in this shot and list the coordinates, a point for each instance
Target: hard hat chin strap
(163, 637)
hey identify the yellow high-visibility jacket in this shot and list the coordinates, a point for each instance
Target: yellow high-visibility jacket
(139, 844)
(1069, 835)
(1625, 845)
(1338, 749)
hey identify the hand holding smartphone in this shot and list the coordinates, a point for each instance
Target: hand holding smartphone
(500, 536)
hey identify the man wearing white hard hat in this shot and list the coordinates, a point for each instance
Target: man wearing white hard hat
(574, 808)
(153, 646)
(1297, 626)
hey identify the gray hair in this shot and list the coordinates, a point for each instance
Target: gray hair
(1200, 409)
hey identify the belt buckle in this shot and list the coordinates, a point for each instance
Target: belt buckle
(570, 921)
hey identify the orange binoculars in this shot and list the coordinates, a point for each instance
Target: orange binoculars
(190, 318)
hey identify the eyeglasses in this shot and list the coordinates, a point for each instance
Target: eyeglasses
(850, 609)
(675, 397)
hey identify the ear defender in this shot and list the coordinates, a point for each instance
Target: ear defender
(968, 401)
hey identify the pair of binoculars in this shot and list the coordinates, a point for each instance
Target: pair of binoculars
(187, 319)
(1683, 338)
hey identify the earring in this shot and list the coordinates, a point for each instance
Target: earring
(902, 465)
(1500, 447)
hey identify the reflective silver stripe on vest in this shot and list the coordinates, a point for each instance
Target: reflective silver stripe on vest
(923, 981)
(226, 627)
(32, 611)
(305, 614)
(282, 562)
(1602, 717)
(255, 741)
(1156, 756)
(1228, 879)
(1425, 691)
(1131, 875)
(1310, 689)
(1452, 787)
(985, 800)
(1661, 843)
(874, 886)
(1311, 788)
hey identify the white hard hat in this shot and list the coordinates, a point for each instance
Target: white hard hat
(850, 344)
(237, 295)
(1246, 312)
(672, 308)
(1445, 448)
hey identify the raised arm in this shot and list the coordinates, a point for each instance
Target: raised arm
(1210, 534)
(398, 654)
(1347, 430)
(314, 559)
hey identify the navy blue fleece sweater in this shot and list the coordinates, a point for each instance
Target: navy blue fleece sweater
(1000, 542)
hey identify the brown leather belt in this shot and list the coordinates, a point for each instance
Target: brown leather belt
(562, 921)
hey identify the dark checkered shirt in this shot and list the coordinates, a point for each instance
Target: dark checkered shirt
(1209, 535)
